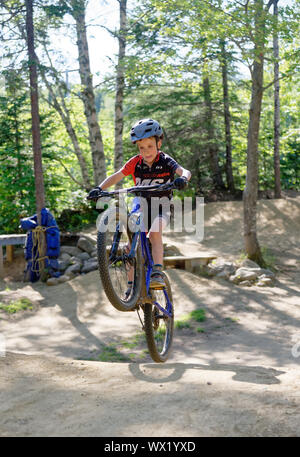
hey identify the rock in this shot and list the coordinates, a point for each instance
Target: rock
(52, 282)
(73, 268)
(267, 273)
(265, 281)
(246, 274)
(85, 245)
(234, 279)
(170, 250)
(64, 257)
(247, 263)
(90, 265)
(63, 278)
(71, 275)
(223, 274)
(245, 283)
(221, 268)
(71, 250)
(63, 265)
(76, 259)
(94, 253)
(83, 256)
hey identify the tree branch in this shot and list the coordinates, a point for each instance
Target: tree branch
(270, 3)
(70, 174)
(276, 79)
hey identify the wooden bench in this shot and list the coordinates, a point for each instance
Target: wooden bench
(9, 241)
(188, 263)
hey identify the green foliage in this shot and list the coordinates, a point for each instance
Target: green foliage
(197, 315)
(14, 306)
(171, 47)
(16, 167)
(110, 354)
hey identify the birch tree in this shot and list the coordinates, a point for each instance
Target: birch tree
(227, 119)
(211, 143)
(276, 105)
(78, 8)
(120, 84)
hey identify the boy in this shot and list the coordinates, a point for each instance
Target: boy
(151, 166)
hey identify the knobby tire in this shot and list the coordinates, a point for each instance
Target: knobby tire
(103, 266)
(150, 331)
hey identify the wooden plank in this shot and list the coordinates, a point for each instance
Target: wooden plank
(10, 253)
(193, 257)
(7, 240)
(1, 262)
(189, 263)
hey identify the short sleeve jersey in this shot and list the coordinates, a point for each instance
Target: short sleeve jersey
(161, 171)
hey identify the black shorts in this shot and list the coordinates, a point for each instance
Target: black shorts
(162, 208)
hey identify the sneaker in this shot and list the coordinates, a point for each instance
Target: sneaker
(157, 280)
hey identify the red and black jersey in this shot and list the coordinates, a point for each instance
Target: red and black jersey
(161, 171)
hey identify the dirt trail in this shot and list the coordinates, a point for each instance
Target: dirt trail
(238, 377)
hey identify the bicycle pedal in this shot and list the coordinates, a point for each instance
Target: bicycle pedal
(156, 287)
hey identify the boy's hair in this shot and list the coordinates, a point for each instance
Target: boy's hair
(157, 138)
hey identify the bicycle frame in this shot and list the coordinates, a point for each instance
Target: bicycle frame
(148, 266)
(146, 254)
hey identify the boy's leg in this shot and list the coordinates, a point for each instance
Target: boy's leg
(155, 236)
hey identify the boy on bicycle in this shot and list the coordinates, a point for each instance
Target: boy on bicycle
(151, 166)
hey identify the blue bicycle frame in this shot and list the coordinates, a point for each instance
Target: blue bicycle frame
(148, 262)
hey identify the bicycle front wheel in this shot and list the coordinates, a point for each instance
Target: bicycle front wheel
(116, 266)
(159, 326)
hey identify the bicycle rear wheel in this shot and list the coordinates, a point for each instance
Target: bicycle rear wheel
(158, 326)
(116, 268)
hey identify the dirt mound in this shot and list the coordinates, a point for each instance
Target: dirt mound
(44, 396)
(234, 374)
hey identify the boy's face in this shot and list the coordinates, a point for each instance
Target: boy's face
(148, 149)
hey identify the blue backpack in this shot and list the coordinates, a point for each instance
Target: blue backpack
(32, 254)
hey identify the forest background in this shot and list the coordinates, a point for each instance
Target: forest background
(222, 78)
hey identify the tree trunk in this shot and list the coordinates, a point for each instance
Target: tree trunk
(36, 137)
(120, 90)
(276, 108)
(95, 138)
(252, 247)
(211, 142)
(228, 167)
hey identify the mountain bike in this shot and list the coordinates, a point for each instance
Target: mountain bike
(124, 252)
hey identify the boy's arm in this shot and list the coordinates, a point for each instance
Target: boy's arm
(112, 180)
(183, 173)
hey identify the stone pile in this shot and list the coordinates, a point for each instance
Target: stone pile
(82, 258)
(170, 250)
(75, 260)
(247, 273)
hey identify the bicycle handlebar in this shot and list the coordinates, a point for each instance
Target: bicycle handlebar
(133, 190)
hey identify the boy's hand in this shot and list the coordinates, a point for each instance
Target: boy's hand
(94, 194)
(180, 183)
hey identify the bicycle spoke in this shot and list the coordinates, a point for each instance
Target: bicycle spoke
(159, 323)
(115, 268)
